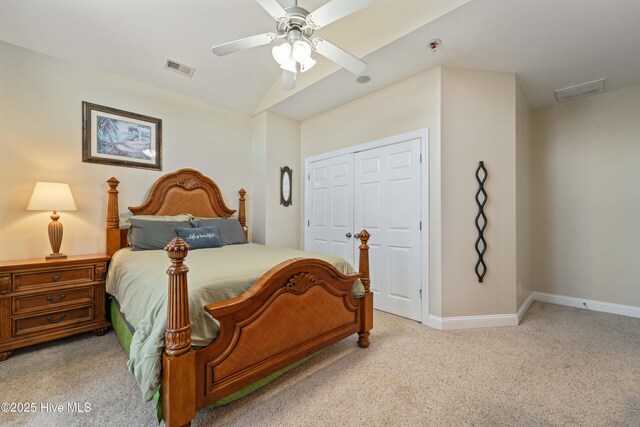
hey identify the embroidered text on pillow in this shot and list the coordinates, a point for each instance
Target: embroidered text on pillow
(194, 236)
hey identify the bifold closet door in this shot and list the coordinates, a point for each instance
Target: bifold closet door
(330, 225)
(387, 204)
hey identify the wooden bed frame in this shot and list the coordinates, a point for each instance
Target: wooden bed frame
(295, 309)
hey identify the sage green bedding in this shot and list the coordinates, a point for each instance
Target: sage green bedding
(138, 280)
(124, 332)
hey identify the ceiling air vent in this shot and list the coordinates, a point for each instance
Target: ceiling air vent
(185, 70)
(579, 91)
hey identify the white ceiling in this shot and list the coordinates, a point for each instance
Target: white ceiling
(549, 43)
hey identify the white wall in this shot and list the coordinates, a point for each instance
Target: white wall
(405, 106)
(41, 134)
(524, 188)
(586, 155)
(478, 123)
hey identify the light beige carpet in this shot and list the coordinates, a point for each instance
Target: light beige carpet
(561, 366)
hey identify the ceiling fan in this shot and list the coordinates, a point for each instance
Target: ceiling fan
(296, 26)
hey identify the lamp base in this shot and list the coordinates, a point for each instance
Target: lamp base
(55, 237)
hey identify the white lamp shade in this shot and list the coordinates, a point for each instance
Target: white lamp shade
(281, 53)
(301, 51)
(51, 196)
(308, 64)
(290, 65)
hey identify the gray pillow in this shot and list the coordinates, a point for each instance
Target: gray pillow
(179, 217)
(199, 238)
(230, 230)
(147, 235)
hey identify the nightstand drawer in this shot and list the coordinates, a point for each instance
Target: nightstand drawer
(58, 319)
(22, 281)
(52, 300)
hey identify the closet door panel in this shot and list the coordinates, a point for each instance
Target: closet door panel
(331, 207)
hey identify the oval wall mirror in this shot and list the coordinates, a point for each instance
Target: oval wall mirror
(285, 185)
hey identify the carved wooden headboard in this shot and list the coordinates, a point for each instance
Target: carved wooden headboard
(183, 191)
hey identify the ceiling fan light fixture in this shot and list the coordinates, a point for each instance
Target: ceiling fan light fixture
(307, 65)
(281, 53)
(296, 25)
(301, 51)
(290, 65)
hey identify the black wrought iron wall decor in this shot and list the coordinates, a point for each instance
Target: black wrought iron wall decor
(481, 221)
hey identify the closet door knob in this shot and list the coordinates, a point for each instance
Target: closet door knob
(348, 235)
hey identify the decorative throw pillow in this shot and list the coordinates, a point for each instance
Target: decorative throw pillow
(148, 235)
(199, 238)
(180, 217)
(231, 232)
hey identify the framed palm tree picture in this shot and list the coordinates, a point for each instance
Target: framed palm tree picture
(120, 138)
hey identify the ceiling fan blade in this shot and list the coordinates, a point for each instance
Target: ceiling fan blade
(334, 10)
(339, 56)
(274, 9)
(288, 80)
(245, 43)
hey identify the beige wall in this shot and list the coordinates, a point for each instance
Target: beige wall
(587, 197)
(524, 183)
(405, 106)
(283, 149)
(258, 196)
(471, 116)
(275, 144)
(478, 123)
(40, 135)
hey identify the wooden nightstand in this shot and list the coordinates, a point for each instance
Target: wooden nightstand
(45, 300)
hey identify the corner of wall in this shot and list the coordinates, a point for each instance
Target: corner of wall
(258, 176)
(524, 203)
(275, 144)
(478, 124)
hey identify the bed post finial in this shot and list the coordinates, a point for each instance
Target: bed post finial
(242, 216)
(113, 217)
(366, 302)
(178, 332)
(114, 236)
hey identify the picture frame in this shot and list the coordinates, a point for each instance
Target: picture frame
(286, 185)
(120, 138)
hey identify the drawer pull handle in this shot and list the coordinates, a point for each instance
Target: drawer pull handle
(55, 278)
(55, 301)
(60, 319)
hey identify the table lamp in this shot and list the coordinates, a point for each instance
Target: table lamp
(52, 196)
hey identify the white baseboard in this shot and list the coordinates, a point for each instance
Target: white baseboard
(525, 306)
(605, 307)
(496, 320)
(470, 322)
(434, 322)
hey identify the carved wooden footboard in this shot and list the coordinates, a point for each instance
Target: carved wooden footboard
(295, 309)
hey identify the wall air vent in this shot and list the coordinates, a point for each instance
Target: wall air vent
(179, 68)
(579, 91)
